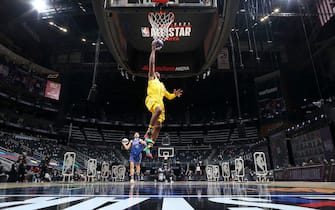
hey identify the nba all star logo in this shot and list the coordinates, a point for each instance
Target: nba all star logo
(175, 31)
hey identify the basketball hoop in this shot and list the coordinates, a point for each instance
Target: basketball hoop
(160, 23)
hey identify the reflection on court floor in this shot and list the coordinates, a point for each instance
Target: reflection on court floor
(168, 196)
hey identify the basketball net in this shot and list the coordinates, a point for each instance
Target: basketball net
(160, 23)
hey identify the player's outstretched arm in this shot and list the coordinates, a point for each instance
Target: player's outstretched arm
(176, 93)
(152, 60)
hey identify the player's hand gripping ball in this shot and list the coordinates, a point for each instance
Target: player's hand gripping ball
(124, 142)
(158, 43)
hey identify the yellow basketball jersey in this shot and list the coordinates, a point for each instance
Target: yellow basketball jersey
(156, 89)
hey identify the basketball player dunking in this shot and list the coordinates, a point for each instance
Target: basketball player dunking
(154, 101)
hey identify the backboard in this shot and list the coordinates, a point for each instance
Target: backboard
(164, 152)
(195, 37)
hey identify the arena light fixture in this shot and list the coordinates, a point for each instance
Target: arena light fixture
(82, 8)
(276, 10)
(208, 72)
(40, 5)
(264, 18)
(83, 40)
(63, 29)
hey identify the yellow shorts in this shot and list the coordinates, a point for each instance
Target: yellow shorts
(152, 104)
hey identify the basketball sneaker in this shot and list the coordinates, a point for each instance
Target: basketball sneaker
(149, 142)
(132, 179)
(137, 177)
(149, 155)
(148, 152)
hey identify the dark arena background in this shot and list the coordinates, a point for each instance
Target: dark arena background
(253, 130)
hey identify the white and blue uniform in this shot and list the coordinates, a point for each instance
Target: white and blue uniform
(136, 151)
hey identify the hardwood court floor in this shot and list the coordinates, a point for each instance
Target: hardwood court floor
(169, 196)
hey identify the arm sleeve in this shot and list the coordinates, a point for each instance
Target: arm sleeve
(168, 95)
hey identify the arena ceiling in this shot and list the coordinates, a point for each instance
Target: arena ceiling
(67, 25)
(38, 35)
(32, 35)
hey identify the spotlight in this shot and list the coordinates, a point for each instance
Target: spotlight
(83, 39)
(51, 23)
(264, 18)
(40, 5)
(276, 10)
(93, 43)
(63, 29)
(318, 103)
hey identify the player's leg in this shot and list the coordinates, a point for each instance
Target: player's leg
(155, 108)
(138, 171)
(156, 130)
(131, 169)
(154, 136)
(153, 120)
(158, 126)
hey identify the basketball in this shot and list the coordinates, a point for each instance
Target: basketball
(159, 44)
(124, 141)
